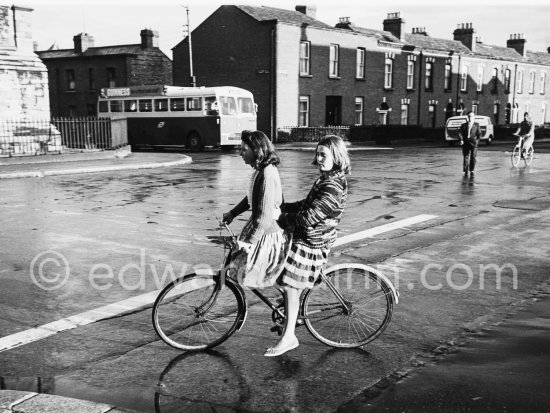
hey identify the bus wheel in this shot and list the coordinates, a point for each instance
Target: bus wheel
(194, 142)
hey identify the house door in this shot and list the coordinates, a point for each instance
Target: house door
(333, 115)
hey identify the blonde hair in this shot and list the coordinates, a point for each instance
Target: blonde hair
(338, 150)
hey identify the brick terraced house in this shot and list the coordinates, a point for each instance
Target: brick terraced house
(306, 72)
(76, 75)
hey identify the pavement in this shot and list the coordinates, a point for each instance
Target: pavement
(87, 162)
(437, 379)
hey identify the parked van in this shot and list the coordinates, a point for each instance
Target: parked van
(452, 128)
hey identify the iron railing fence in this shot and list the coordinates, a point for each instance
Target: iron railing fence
(26, 136)
(310, 133)
(85, 132)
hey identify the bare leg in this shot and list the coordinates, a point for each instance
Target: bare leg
(288, 340)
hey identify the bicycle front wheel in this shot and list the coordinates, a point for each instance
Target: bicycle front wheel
(195, 312)
(516, 155)
(529, 156)
(363, 315)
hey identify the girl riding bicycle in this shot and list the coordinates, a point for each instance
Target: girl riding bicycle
(313, 223)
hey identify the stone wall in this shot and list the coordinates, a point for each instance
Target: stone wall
(23, 76)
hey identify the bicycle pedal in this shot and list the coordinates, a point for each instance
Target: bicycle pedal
(276, 329)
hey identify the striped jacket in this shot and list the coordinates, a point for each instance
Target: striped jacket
(315, 218)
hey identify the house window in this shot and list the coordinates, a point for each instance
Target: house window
(71, 83)
(431, 112)
(91, 109)
(507, 74)
(532, 82)
(464, 78)
(494, 81)
(410, 74)
(303, 115)
(519, 82)
(358, 110)
(480, 78)
(474, 109)
(543, 113)
(448, 76)
(304, 58)
(388, 73)
(404, 114)
(72, 111)
(542, 82)
(91, 79)
(360, 64)
(333, 60)
(428, 83)
(111, 77)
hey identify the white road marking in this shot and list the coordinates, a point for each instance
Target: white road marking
(131, 304)
(368, 233)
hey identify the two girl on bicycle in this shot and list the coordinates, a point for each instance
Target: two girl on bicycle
(270, 257)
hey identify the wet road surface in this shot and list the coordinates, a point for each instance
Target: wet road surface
(152, 224)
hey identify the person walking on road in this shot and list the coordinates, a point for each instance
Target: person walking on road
(527, 130)
(470, 133)
(312, 222)
(261, 253)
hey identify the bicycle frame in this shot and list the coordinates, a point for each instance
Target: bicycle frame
(265, 299)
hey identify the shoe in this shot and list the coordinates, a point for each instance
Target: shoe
(472, 173)
(272, 352)
(465, 173)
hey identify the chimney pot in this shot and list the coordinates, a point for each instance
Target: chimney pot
(310, 11)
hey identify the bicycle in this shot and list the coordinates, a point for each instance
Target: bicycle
(519, 153)
(349, 306)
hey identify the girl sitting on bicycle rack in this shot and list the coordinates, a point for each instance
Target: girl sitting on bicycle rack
(313, 223)
(526, 129)
(262, 242)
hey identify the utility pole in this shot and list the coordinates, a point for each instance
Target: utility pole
(192, 77)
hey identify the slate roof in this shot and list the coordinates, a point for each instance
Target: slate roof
(264, 13)
(129, 49)
(433, 43)
(378, 34)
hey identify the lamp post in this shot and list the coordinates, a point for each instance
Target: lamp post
(192, 77)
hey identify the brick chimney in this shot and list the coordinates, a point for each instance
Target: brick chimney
(395, 25)
(82, 42)
(343, 23)
(149, 38)
(464, 33)
(517, 42)
(419, 30)
(310, 11)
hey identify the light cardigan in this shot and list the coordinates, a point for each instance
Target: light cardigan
(267, 198)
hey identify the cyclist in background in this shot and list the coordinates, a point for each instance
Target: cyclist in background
(527, 130)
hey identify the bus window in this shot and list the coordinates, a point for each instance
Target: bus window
(194, 104)
(228, 105)
(145, 105)
(130, 106)
(116, 105)
(103, 106)
(161, 105)
(211, 105)
(177, 104)
(246, 105)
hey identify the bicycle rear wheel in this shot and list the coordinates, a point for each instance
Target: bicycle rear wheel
(370, 307)
(516, 155)
(529, 156)
(195, 313)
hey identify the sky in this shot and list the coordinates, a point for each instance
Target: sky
(116, 22)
